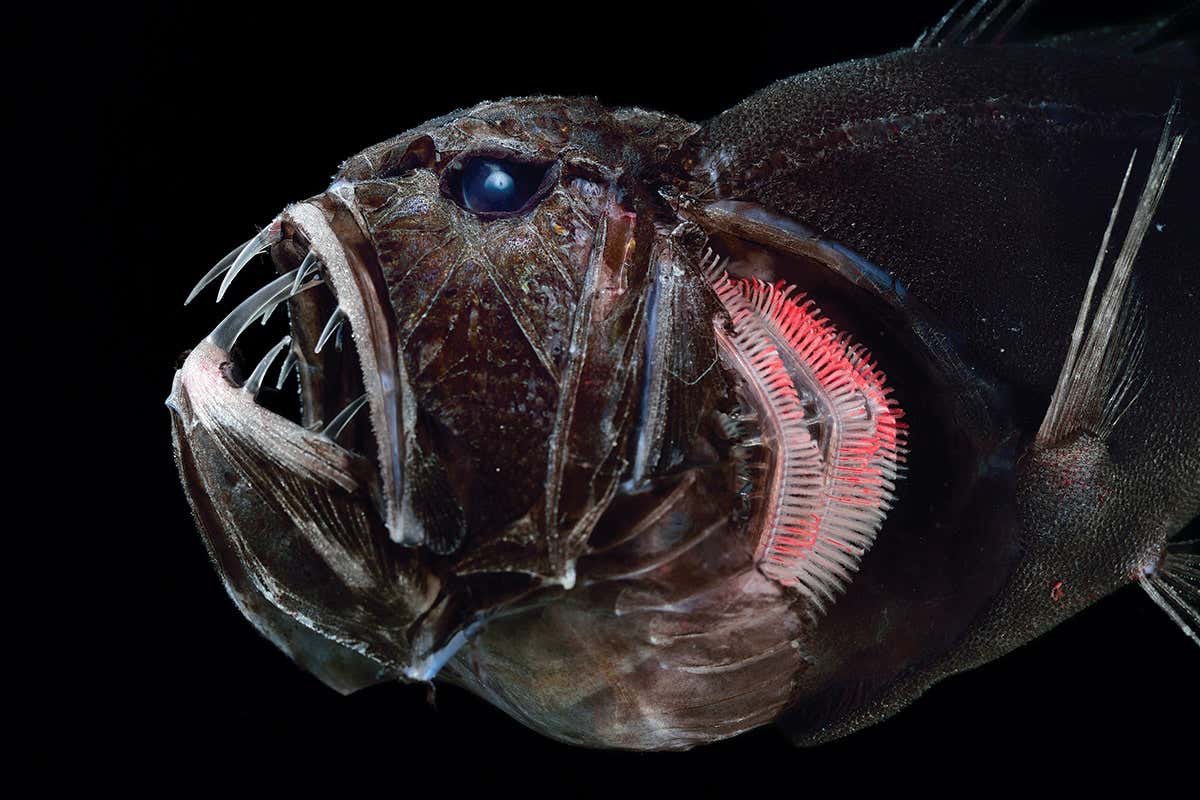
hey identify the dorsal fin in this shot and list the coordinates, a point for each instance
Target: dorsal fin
(978, 22)
(1173, 39)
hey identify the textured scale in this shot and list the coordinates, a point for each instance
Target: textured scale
(651, 431)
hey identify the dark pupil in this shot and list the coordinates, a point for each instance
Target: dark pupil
(490, 185)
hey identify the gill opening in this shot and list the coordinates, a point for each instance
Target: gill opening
(832, 429)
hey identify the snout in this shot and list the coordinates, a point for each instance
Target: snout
(306, 510)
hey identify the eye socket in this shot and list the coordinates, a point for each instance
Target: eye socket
(491, 186)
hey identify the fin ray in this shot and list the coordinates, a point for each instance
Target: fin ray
(1099, 379)
(1174, 586)
(967, 24)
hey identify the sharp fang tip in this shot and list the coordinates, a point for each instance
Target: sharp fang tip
(256, 378)
(288, 363)
(217, 270)
(266, 317)
(335, 322)
(305, 267)
(265, 238)
(225, 334)
(338, 423)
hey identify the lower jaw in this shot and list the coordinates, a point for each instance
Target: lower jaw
(648, 672)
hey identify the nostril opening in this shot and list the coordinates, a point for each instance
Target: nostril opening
(421, 152)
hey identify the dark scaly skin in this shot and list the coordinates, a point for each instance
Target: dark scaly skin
(990, 209)
(608, 614)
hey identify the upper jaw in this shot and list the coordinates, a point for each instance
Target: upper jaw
(338, 255)
(293, 503)
(304, 518)
(337, 238)
(326, 533)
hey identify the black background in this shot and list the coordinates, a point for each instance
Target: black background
(177, 131)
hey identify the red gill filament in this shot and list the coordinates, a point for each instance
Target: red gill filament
(825, 501)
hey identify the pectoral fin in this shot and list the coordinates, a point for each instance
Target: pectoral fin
(1100, 381)
(1099, 378)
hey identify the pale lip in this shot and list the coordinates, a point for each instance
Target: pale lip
(210, 404)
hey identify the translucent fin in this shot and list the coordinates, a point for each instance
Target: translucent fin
(1175, 586)
(982, 21)
(1099, 381)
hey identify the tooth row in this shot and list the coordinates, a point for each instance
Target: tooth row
(256, 378)
(236, 259)
(261, 304)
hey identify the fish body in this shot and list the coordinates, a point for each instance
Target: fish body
(650, 432)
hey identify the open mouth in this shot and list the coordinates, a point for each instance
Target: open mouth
(329, 394)
(293, 447)
(333, 379)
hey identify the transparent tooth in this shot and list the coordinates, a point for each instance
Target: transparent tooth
(265, 238)
(288, 364)
(295, 290)
(305, 267)
(217, 271)
(335, 322)
(225, 334)
(293, 293)
(256, 378)
(338, 423)
(266, 317)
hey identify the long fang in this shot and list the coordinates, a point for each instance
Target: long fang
(338, 423)
(217, 271)
(256, 378)
(225, 334)
(266, 237)
(335, 322)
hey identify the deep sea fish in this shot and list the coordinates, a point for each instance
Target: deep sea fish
(650, 432)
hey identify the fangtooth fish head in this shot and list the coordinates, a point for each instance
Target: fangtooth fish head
(643, 466)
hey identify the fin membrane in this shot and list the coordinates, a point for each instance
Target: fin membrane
(1099, 379)
(1175, 586)
(979, 22)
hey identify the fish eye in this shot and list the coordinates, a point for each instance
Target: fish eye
(497, 186)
